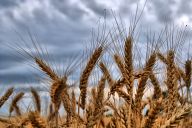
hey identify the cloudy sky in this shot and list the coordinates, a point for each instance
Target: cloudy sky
(64, 27)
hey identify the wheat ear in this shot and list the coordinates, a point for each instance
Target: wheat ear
(56, 89)
(45, 68)
(128, 58)
(67, 106)
(171, 80)
(100, 96)
(86, 73)
(120, 64)
(142, 83)
(6, 96)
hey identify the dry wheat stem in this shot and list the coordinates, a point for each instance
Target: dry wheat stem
(36, 98)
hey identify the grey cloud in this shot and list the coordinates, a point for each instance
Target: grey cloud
(56, 34)
(71, 10)
(17, 78)
(96, 7)
(125, 7)
(8, 3)
(163, 10)
(185, 7)
(9, 57)
(27, 89)
(7, 60)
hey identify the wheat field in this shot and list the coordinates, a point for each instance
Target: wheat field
(155, 95)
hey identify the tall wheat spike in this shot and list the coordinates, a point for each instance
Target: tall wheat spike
(86, 73)
(142, 83)
(128, 58)
(171, 81)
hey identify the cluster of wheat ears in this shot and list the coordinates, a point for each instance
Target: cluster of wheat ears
(100, 108)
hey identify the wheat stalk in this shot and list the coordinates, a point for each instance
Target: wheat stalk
(36, 99)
